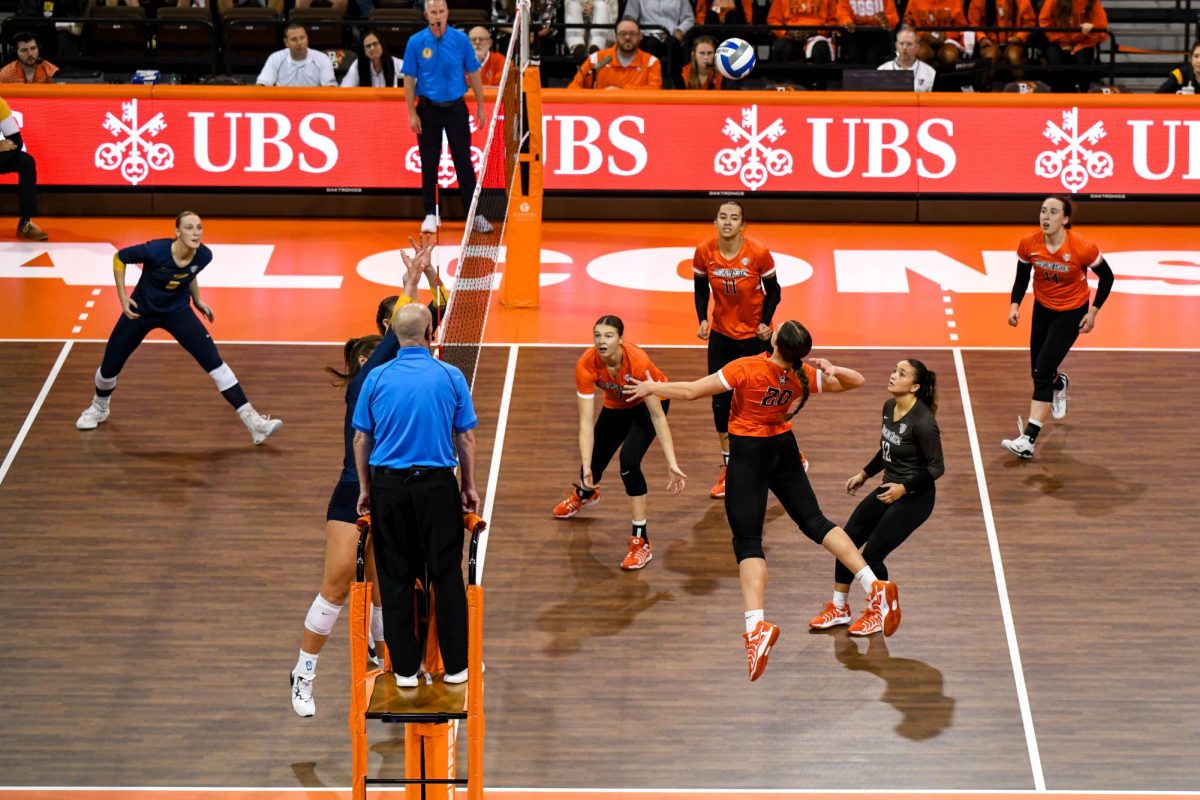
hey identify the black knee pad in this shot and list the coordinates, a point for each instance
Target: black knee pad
(1043, 385)
(747, 548)
(720, 405)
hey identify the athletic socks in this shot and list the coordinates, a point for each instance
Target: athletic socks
(753, 618)
(1032, 429)
(639, 529)
(101, 400)
(865, 577)
(584, 494)
(306, 664)
(840, 599)
(724, 459)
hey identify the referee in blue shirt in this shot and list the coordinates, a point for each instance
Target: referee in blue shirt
(412, 414)
(434, 62)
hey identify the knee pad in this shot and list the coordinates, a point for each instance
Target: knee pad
(322, 615)
(747, 548)
(1043, 385)
(720, 406)
(634, 480)
(223, 377)
(105, 384)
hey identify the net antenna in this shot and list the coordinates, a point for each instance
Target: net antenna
(460, 336)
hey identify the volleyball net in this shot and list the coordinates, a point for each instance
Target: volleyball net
(460, 335)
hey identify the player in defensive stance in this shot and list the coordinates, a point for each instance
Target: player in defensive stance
(161, 300)
(768, 390)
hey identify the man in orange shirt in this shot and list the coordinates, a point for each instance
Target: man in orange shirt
(491, 63)
(29, 66)
(622, 66)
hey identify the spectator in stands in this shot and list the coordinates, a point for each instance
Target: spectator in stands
(491, 63)
(815, 47)
(1183, 80)
(622, 66)
(907, 46)
(701, 71)
(600, 13)
(339, 6)
(725, 12)
(1076, 47)
(29, 66)
(997, 45)
(671, 19)
(868, 24)
(274, 5)
(374, 65)
(130, 3)
(296, 64)
(13, 158)
(937, 47)
(63, 37)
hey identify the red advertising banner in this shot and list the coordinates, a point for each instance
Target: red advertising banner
(735, 143)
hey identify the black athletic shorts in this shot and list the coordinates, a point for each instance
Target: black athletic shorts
(343, 504)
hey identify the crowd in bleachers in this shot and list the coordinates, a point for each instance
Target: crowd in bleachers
(1066, 45)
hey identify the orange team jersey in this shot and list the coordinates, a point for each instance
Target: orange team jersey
(736, 285)
(762, 391)
(1060, 278)
(591, 374)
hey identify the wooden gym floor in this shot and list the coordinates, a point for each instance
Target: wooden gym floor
(155, 572)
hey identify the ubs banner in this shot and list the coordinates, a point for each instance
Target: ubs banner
(351, 140)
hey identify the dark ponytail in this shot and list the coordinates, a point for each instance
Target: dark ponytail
(926, 380)
(352, 351)
(794, 343)
(384, 313)
(612, 321)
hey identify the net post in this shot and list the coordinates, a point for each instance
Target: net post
(520, 283)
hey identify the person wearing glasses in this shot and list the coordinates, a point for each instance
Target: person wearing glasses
(622, 66)
(491, 64)
(375, 66)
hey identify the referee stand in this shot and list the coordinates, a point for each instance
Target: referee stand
(431, 711)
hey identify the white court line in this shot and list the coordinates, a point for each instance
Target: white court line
(493, 481)
(33, 412)
(1010, 631)
(489, 790)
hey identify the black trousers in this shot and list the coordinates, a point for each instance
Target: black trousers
(184, 325)
(456, 123)
(23, 164)
(1051, 336)
(631, 430)
(722, 350)
(882, 528)
(758, 464)
(1070, 80)
(868, 46)
(417, 532)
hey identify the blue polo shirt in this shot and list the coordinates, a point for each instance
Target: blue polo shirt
(439, 64)
(412, 407)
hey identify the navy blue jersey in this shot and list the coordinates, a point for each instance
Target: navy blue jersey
(385, 351)
(163, 287)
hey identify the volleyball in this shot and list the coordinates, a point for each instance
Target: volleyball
(735, 58)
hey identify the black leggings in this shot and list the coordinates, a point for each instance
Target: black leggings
(631, 430)
(1050, 339)
(721, 351)
(757, 464)
(187, 329)
(883, 528)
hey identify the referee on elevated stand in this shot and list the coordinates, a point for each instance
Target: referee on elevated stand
(434, 62)
(412, 415)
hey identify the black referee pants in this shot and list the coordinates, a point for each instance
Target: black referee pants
(456, 122)
(722, 350)
(22, 163)
(417, 530)
(883, 527)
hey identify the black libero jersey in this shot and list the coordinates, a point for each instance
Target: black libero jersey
(910, 449)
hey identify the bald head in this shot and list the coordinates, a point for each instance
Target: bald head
(413, 324)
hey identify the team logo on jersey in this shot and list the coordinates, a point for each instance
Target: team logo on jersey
(427, 53)
(783, 379)
(745, 262)
(1074, 162)
(903, 427)
(1066, 257)
(194, 268)
(752, 160)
